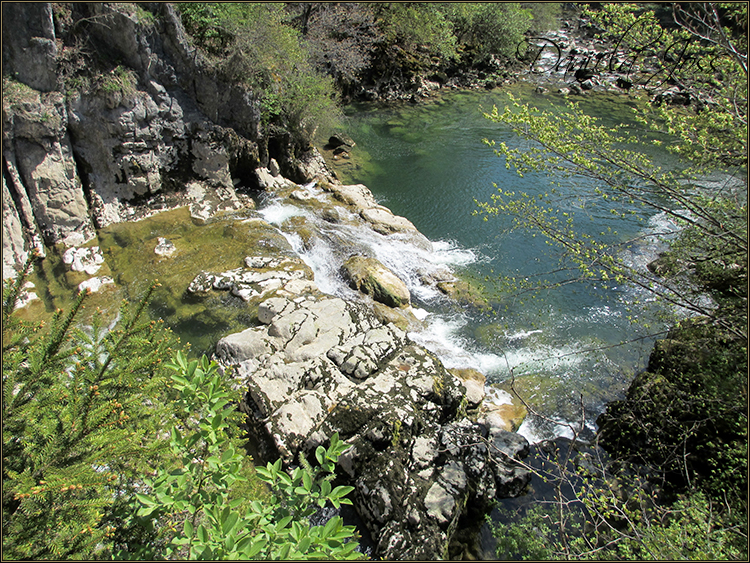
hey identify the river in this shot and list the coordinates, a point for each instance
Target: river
(426, 162)
(429, 163)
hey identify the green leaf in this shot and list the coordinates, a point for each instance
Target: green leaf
(187, 528)
(202, 533)
(227, 455)
(304, 544)
(230, 522)
(283, 553)
(145, 500)
(307, 480)
(254, 548)
(283, 523)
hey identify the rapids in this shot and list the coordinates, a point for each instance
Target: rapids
(429, 163)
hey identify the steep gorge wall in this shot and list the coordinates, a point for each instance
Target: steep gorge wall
(151, 118)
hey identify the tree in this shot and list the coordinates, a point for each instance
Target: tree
(81, 414)
(254, 44)
(686, 417)
(489, 28)
(571, 144)
(105, 455)
(190, 503)
(338, 36)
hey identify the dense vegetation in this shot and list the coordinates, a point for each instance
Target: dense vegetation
(301, 56)
(683, 425)
(116, 446)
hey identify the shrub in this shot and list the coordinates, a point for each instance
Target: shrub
(190, 502)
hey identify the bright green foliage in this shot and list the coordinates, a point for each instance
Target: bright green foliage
(105, 455)
(705, 58)
(690, 529)
(686, 418)
(190, 503)
(572, 143)
(252, 43)
(416, 26)
(81, 409)
(489, 27)
(604, 510)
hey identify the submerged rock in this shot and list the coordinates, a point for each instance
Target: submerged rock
(164, 247)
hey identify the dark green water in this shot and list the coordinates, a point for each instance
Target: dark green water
(429, 163)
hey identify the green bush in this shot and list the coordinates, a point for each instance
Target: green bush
(109, 451)
(253, 44)
(190, 502)
(489, 27)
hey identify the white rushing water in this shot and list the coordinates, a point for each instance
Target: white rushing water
(557, 352)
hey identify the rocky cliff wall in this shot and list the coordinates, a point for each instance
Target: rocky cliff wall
(108, 113)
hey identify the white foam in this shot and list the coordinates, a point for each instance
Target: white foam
(420, 313)
(278, 213)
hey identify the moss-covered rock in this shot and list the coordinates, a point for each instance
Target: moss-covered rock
(369, 276)
(464, 291)
(686, 416)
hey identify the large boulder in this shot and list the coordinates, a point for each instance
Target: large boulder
(318, 364)
(370, 276)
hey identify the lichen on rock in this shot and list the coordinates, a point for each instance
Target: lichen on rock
(317, 365)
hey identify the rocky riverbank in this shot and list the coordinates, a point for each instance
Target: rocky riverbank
(159, 133)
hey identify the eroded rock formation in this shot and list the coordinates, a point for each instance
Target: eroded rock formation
(318, 364)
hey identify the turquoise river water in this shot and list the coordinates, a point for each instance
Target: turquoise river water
(429, 163)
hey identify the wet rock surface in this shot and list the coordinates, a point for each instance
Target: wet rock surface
(369, 276)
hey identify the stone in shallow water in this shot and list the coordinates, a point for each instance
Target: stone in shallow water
(88, 259)
(370, 276)
(94, 284)
(164, 247)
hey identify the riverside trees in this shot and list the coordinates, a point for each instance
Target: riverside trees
(686, 417)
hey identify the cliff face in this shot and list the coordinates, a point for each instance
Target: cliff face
(108, 113)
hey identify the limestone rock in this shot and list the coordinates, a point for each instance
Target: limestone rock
(357, 195)
(474, 382)
(94, 284)
(87, 260)
(268, 181)
(502, 410)
(369, 276)
(14, 246)
(385, 222)
(29, 49)
(340, 139)
(39, 149)
(26, 296)
(318, 365)
(164, 247)
(262, 276)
